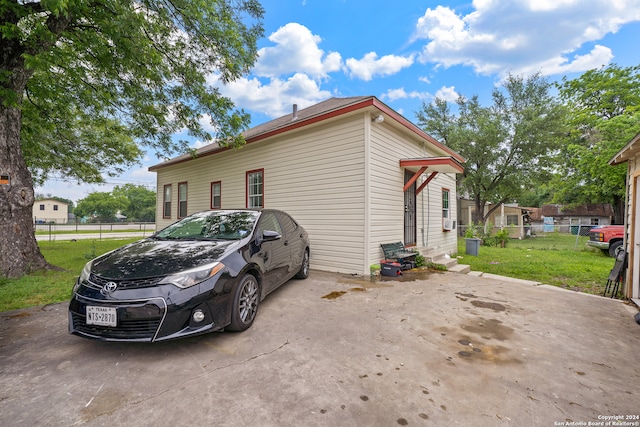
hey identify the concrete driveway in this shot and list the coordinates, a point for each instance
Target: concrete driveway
(445, 349)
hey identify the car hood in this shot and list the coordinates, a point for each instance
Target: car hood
(153, 258)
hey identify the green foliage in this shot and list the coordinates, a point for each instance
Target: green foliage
(98, 80)
(471, 231)
(484, 233)
(502, 237)
(141, 202)
(100, 204)
(420, 260)
(603, 115)
(433, 266)
(535, 197)
(508, 146)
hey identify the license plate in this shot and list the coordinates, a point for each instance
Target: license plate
(101, 316)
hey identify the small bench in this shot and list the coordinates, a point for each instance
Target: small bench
(397, 252)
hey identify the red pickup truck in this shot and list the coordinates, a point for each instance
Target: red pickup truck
(607, 238)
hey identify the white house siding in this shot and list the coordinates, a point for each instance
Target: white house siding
(387, 198)
(633, 228)
(316, 174)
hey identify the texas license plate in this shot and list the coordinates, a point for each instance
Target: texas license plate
(101, 316)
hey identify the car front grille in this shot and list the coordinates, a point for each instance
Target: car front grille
(137, 320)
(97, 282)
(126, 330)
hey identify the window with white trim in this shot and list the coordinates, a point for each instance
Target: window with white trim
(216, 195)
(166, 201)
(182, 199)
(445, 203)
(255, 189)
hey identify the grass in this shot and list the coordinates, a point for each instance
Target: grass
(554, 259)
(51, 286)
(104, 231)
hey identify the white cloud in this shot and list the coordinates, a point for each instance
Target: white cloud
(448, 93)
(296, 51)
(285, 74)
(275, 98)
(370, 65)
(525, 36)
(400, 93)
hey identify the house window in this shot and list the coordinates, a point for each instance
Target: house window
(595, 221)
(41, 207)
(166, 202)
(182, 199)
(55, 207)
(445, 203)
(512, 219)
(216, 195)
(255, 189)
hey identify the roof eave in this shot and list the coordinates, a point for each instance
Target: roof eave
(626, 152)
(371, 101)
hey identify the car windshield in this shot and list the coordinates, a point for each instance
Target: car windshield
(217, 225)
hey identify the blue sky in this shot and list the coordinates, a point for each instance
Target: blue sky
(407, 52)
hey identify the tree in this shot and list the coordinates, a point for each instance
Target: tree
(85, 84)
(603, 115)
(103, 205)
(508, 146)
(141, 202)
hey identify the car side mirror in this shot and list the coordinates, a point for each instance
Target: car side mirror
(268, 236)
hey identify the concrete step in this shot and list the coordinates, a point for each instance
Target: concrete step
(460, 268)
(443, 259)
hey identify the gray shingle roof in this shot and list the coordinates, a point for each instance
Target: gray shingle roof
(323, 107)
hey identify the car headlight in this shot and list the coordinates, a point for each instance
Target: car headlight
(84, 275)
(191, 277)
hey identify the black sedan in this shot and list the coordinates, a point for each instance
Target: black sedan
(204, 273)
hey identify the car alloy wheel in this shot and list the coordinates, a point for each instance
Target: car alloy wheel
(245, 303)
(304, 268)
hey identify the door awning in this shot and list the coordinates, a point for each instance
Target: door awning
(434, 165)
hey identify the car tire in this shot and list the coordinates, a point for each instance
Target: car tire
(303, 273)
(245, 303)
(612, 248)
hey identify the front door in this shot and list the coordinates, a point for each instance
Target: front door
(409, 211)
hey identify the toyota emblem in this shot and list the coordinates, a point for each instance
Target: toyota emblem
(108, 288)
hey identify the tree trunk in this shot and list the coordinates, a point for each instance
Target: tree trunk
(19, 251)
(478, 216)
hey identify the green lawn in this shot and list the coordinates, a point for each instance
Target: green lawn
(54, 286)
(555, 259)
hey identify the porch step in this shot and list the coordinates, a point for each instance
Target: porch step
(460, 268)
(443, 259)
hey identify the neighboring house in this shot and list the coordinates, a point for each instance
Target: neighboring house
(50, 211)
(630, 154)
(513, 217)
(566, 219)
(352, 171)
